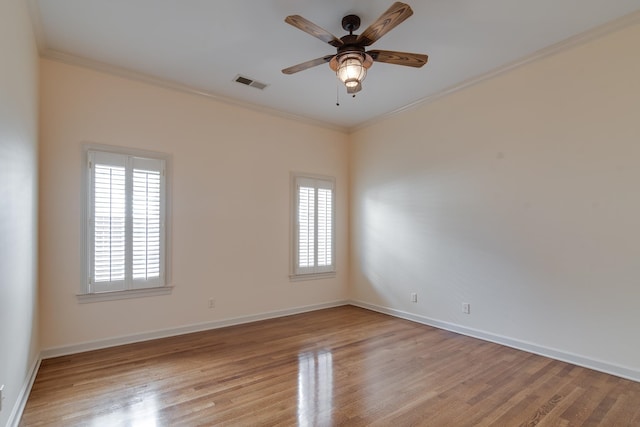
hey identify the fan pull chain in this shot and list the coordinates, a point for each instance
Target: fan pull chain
(337, 94)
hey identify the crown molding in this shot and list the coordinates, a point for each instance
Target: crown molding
(69, 59)
(577, 40)
(589, 35)
(48, 53)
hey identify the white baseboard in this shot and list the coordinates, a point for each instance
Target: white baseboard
(598, 365)
(164, 333)
(18, 408)
(575, 359)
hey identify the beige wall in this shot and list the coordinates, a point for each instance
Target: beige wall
(18, 202)
(231, 207)
(518, 195)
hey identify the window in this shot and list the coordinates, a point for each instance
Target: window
(126, 221)
(314, 231)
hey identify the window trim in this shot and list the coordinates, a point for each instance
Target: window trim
(85, 293)
(294, 274)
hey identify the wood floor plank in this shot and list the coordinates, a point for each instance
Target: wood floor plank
(339, 366)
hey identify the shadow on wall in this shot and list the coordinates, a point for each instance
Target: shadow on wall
(421, 234)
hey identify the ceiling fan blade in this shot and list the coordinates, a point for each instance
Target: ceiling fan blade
(308, 64)
(399, 58)
(311, 28)
(395, 15)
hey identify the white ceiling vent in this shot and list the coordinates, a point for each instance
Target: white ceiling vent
(249, 82)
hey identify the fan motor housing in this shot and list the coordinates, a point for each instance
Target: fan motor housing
(350, 44)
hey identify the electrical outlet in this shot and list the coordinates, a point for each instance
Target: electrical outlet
(212, 302)
(466, 308)
(414, 297)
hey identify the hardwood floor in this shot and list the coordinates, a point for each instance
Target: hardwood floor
(340, 366)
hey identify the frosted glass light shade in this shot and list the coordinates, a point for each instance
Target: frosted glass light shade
(351, 71)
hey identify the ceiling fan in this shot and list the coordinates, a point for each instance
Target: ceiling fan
(351, 60)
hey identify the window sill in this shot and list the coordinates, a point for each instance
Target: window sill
(311, 276)
(116, 295)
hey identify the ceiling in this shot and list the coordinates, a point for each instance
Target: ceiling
(202, 45)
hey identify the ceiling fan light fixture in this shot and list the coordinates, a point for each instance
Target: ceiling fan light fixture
(351, 69)
(352, 61)
(355, 89)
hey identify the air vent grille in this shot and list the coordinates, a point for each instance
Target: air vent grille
(249, 82)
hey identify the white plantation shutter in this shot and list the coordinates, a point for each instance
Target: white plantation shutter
(314, 231)
(325, 227)
(306, 225)
(109, 227)
(147, 219)
(126, 222)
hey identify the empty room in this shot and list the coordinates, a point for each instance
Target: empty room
(319, 213)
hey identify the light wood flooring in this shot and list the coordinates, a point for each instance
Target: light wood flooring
(340, 366)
